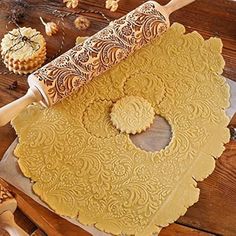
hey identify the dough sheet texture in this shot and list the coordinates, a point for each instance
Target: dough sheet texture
(83, 167)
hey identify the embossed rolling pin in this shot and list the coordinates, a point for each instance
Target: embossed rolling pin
(64, 75)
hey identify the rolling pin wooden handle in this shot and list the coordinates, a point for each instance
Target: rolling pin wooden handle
(7, 222)
(174, 5)
(11, 110)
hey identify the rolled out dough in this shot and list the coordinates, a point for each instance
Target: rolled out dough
(83, 167)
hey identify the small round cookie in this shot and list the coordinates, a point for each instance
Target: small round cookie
(31, 65)
(132, 114)
(41, 56)
(22, 71)
(23, 49)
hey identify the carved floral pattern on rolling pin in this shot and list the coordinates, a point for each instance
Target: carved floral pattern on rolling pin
(101, 51)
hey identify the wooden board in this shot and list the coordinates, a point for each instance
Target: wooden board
(216, 210)
(51, 223)
(181, 230)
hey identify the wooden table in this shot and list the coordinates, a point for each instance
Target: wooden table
(215, 213)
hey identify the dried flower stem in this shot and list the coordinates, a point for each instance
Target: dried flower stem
(50, 27)
(43, 22)
(62, 41)
(66, 14)
(63, 14)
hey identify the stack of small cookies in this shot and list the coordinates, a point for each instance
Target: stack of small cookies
(23, 50)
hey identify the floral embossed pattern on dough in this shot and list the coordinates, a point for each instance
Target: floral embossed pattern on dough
(83, 167)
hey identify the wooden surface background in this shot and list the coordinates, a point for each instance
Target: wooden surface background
(215, 213)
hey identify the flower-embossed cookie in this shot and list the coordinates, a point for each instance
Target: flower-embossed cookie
(132, 114)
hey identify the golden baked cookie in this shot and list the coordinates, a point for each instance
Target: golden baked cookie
(23, 49)
(132, 114)
(26, 65)
(22, 70)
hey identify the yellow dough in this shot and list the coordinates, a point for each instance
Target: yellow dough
(83, 167)
(132, 114)
(80, 39)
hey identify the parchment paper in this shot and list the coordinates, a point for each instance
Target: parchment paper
(9, 169)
